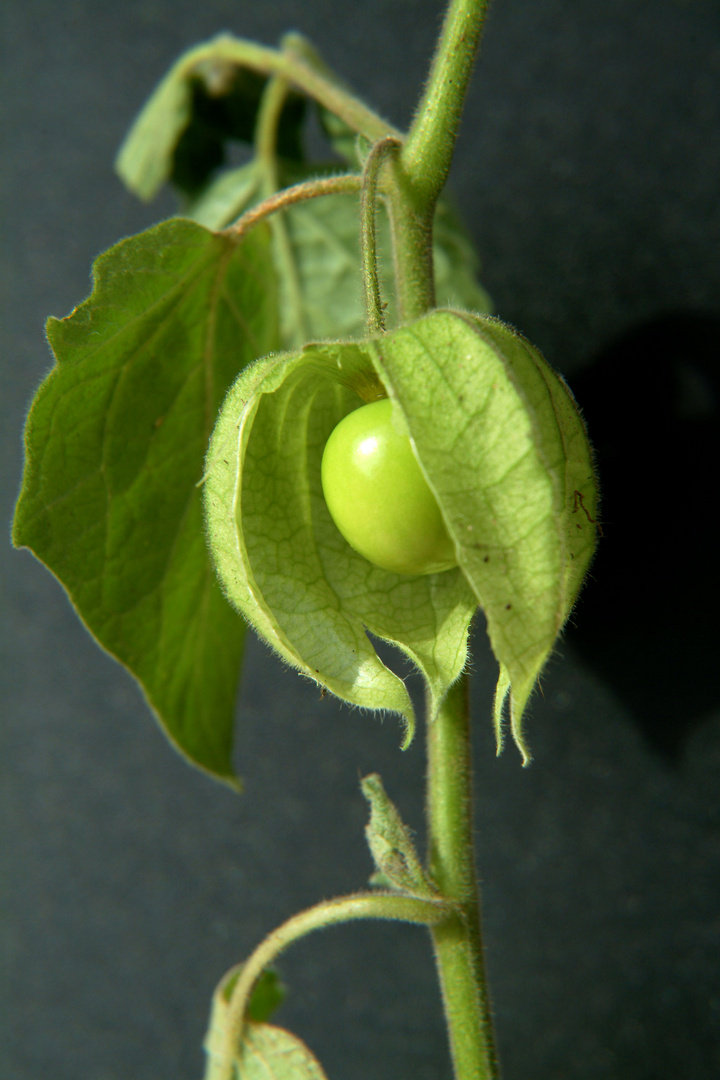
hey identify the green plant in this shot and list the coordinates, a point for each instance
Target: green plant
(162, 456)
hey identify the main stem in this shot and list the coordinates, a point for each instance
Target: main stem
(458, 943)
(415, 179)
(422, 168)
(430, 142)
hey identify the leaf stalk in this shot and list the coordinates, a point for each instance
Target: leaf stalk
(343, 909)
(308, 189)
(313, 79)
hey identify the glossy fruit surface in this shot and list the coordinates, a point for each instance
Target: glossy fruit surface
(378, 497)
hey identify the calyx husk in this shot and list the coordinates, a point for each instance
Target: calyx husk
(503, 447)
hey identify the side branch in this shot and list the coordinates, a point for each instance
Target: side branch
(313, 79)
(309, 189)
(329, 913)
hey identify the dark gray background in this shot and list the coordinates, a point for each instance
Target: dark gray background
(587, 172)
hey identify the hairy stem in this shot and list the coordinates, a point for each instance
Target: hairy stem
(309, 189)
(313, 79)
(414, 185)
(266, 131)
(458, 943)
(419, 174)
(329, 913)
(411, 234)
(428, 149)
(368, 232)
(272, 102)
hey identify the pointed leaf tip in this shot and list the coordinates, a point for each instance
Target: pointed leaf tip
(501, 692)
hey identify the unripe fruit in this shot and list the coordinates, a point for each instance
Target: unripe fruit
(378, 496)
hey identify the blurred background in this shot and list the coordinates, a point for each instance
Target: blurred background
(587, 173)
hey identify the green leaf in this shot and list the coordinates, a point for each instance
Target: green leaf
(505, 451)
(324, 238)
(318, 269)
(281, 559)
(115, 443)
(271, 1053)
(266, 1052)
(207, 99)
(345, 142)
(321, 286)
(267, 995)
(391, 845)
(144, 162)
(227, 197)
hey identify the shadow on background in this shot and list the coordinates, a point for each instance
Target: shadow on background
(648, 621)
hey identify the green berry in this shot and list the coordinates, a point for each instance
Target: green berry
(378, 496)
